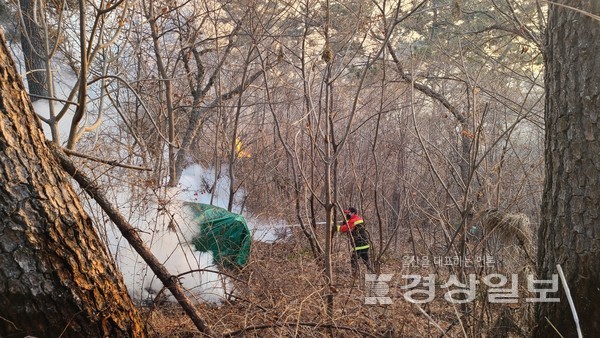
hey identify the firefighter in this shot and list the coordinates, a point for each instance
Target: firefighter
(355, 227)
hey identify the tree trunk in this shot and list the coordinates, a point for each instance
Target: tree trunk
(32, 42)
(56, 278)
(570, 227)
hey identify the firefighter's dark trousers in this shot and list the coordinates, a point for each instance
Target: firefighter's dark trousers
(360, 254)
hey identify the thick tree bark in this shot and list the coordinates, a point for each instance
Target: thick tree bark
(56, 278)
(570, 228)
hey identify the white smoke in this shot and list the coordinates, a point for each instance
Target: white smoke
(167, 228)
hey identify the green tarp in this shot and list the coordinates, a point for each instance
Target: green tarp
(223, 233)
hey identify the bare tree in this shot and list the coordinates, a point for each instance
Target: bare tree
(56, 278)
(569, 230)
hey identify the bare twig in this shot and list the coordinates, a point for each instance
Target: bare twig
(109, 162)
(10, 322)
(554, 327)
(570, 299)
(593, 16)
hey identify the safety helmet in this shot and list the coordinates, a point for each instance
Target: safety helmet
(350, 210)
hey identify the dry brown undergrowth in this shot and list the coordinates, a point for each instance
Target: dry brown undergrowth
(280, 293)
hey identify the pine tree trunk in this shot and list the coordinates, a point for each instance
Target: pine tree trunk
(570, 228)
(56, 278)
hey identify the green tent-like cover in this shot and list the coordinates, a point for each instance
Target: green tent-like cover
(223, 233)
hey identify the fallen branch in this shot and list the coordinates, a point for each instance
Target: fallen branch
(131, 235)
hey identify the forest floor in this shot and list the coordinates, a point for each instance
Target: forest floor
(282, 293)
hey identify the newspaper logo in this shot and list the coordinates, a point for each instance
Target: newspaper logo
(377, 288)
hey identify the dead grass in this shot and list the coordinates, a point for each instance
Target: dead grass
(281, 293)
